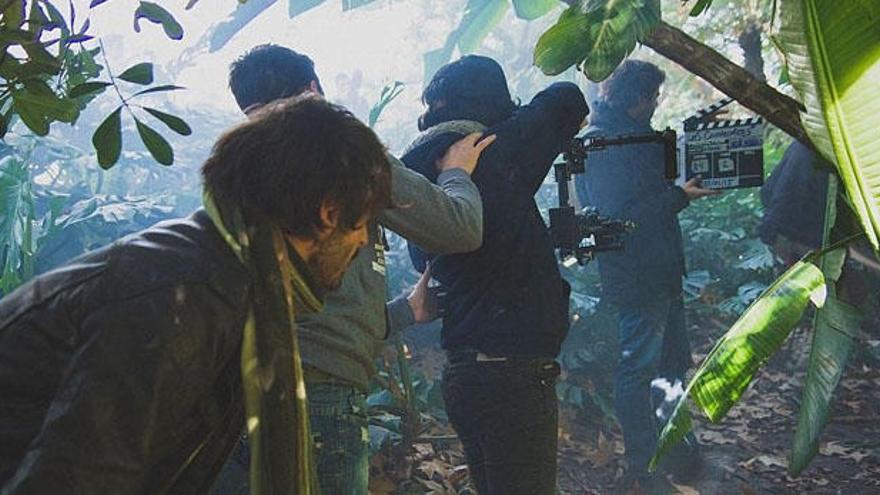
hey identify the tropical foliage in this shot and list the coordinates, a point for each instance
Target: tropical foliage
(49, 67)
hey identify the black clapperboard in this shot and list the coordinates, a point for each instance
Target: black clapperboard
(726, 153)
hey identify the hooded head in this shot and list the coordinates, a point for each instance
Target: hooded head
(471, 88)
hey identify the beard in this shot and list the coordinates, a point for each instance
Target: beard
(332, 257)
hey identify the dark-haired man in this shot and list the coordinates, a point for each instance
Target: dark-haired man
(644, 279)
(134, 368)
(340, 344)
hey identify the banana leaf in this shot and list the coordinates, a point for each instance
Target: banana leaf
(832, 52)
(565, 43)
(598, 37)
(834, 326)
(758, 334)
(832, 344)
(618, 26)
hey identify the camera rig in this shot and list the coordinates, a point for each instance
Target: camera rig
(579, 235)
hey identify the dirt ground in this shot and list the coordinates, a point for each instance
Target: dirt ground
(746, 453)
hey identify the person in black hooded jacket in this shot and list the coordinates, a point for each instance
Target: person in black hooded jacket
(506, 311)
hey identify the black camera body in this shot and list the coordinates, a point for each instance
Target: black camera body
(579, 235)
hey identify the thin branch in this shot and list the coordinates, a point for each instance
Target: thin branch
(113, 79)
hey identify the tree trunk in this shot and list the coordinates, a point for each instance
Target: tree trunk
(734, 81)
(750, 44)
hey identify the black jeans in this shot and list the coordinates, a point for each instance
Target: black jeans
(506, 415)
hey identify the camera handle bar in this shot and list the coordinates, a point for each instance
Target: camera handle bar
(578, 236)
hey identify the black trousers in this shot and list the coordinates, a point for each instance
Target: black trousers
(506, 415)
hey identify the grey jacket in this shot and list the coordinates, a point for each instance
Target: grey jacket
(343, 340)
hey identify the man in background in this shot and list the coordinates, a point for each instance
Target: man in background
(643, 281)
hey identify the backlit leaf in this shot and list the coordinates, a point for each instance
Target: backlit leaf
(107, 139)
(155, 143)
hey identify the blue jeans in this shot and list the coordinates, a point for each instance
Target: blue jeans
(505, 414)
(653, 344)
(338, 415)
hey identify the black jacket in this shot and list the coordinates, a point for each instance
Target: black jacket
(508, 298)
(120, 372)
(628, 183)
(794, 198)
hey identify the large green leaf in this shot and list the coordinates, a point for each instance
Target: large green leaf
(617, 27)
(107, 139)
(835, 324)
(730, 366)
(832, 344)
(832, 50)
(155, 143)
(38, 106)
(599, 36)
(533, 9)
(565, 43)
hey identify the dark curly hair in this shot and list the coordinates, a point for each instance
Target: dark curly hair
(294, 154)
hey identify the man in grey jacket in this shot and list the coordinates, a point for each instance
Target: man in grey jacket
(339, 345)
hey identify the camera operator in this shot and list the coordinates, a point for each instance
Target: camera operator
(507, 305)
(644, 279)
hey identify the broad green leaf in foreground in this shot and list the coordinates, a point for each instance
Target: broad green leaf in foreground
(616, 30)
(565, 43)
(730, 366)
(598, 37)
(832, 50)
(834, 326)
(832, 344)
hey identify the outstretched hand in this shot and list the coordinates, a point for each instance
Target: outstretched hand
(465, 153)
(694, 190)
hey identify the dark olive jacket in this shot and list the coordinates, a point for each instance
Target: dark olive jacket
(120, 372)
